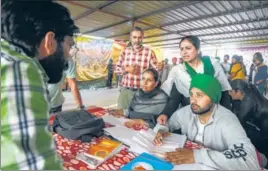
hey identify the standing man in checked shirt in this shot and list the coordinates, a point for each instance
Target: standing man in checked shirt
(36, 40)
(132, 61)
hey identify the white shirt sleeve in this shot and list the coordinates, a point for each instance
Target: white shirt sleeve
(221, 76)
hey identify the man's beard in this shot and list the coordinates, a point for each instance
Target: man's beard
(137, 44)
(202, 111)
(54, 65)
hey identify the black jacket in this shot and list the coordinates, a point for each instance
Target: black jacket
(253, 115)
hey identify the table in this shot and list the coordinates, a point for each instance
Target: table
(67, 149)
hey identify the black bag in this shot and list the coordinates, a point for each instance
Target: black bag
(78, 125)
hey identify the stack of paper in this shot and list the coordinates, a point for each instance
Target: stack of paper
(144, 139)
(114, 120)
(122, 133)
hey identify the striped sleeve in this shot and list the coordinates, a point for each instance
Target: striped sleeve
(25, 110)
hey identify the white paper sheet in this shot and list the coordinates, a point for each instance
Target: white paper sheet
(128, 136)
(114, 120)
(144, 139)
(122, 133)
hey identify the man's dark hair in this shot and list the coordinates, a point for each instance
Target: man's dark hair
(137, 29)
(259, 56)
(25, 23)
(247, 88)
(227, 56)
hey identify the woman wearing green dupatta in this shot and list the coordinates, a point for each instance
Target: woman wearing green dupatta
(178, 83)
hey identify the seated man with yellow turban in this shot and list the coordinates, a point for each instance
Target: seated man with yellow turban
(208, 123)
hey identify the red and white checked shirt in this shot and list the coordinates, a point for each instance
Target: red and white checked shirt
(145, 58)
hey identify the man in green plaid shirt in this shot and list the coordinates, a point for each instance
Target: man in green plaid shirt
(36, 39)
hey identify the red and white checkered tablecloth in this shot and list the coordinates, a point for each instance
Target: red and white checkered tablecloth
(67, 149)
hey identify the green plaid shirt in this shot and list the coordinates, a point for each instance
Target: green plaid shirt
(25, 141)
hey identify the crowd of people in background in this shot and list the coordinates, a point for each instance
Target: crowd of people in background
(233, 69)
(214, 104)
(220, 94)
(257, 75)
(242, 92)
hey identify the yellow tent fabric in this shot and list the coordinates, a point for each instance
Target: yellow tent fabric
(159, 54)
(92, 58)
(117, 50)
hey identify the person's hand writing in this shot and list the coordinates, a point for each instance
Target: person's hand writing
(158, 140)
(159, 137)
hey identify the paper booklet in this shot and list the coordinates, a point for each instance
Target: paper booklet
(100, 152)
(144, 139)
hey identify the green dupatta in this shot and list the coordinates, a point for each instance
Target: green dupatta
(208, 67)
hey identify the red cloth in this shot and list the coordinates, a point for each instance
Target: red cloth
(68, 149)
(259, 159)
(96, 110)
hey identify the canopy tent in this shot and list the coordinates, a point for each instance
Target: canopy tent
(244, 23)
(222, 26)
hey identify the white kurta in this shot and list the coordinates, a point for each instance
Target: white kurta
(182, 79)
